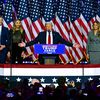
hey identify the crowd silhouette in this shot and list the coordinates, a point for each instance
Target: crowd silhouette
(72, 91)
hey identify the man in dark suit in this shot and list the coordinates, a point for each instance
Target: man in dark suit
(4, 41)
(48, 37)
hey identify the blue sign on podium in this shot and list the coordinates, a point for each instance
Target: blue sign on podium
(49, 48)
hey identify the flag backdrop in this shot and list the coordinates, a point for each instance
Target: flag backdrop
(71, 18)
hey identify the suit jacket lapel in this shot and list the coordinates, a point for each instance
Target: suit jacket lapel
(43, 38)
(53, 34)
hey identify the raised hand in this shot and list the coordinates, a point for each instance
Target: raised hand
(76, 45)
(2, 47)
(22, 44)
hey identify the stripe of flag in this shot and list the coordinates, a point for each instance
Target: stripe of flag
(61, 28)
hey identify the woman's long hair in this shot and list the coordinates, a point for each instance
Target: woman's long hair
(14, 27)
(93, 25)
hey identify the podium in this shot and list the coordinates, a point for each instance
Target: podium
(50, 52)
(49, 60)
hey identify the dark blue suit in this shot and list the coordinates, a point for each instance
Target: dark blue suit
(4, 41)
(41, 38)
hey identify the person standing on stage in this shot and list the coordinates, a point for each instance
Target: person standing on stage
(17, 35)
(93, 44)
(48, 37)
(4, 42)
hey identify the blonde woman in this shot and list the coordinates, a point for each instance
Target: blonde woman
(17, 36)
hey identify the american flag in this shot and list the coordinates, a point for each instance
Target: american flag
(75, 30)
(98, 12)
(35, 16)
(16, 5)
(1, 7)
(88, 16)
(71, 18)
(62, 26)
(23, 15)
(8, 14)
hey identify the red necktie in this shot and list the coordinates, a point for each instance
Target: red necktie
(49, 39)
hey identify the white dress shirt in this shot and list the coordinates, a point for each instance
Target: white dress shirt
(51, 35)
(0, 33)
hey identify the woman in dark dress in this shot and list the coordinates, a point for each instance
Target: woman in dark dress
(17, 36)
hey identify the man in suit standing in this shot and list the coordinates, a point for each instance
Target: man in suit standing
(4, 38)
(48, 37)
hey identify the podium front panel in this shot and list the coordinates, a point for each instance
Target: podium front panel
(49, 60)
(49, 49)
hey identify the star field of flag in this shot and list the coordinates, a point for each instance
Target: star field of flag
(48, 10)
(1, 7)
(53, 79)
(89, 9)
(8, 12)
(63, 11)
(34, 8)
(23, 9)
(98, 8)
(16, 5)
(74, 10)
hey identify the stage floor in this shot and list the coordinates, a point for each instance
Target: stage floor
(49, 66)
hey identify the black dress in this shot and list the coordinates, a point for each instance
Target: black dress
(16, 37)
